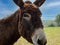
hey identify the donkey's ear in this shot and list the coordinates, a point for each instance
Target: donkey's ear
(20, 3)
(39, 2)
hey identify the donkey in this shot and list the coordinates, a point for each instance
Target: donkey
(25, 22)
(30, 25)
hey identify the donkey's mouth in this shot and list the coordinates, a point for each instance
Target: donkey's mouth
(40, 42)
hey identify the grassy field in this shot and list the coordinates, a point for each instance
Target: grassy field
(52, 33)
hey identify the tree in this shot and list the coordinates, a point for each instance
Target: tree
(58, 20)
(51, 25)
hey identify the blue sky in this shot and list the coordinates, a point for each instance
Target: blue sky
(49, 9)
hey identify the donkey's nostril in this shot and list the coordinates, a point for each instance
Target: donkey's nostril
(40, 42)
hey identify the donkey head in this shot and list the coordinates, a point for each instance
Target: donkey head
(31, 20)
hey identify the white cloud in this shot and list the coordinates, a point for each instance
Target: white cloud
(52, 4)
(5, 12)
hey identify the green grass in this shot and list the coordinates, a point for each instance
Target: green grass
(52, 34)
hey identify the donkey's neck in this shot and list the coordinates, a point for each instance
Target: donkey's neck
(9, 29)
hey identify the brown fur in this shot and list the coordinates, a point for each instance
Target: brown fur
(9, 29)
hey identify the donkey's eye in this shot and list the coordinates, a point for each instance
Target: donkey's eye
(26, 15)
